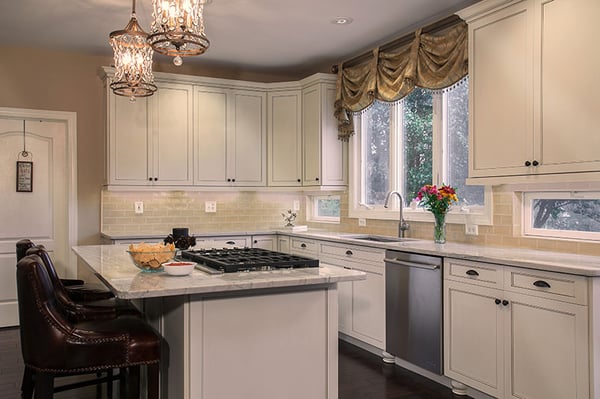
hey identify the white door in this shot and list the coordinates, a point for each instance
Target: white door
(46, 215)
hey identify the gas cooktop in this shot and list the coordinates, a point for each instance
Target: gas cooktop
(229, 260)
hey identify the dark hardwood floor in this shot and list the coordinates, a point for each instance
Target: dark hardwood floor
(363, 375)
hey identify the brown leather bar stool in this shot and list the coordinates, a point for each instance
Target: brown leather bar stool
(77, 289)
(52, 345)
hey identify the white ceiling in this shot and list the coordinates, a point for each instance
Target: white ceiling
(252, 34)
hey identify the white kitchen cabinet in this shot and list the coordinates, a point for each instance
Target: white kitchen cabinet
(325, 158)
(149, 141)
(361, 304)
(527, 115)
(283, 244)
(268, 242)
(231, 136)
(525, 336)
(285, 138)
(303, 247)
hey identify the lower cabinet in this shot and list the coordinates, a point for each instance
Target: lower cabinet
(361, 303)
(268, 242)
(516, 333)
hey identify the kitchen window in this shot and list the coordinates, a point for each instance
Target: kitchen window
(324, 208)
(422, 139)
(567, 215)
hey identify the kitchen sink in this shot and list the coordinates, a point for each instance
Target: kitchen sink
(376, 238)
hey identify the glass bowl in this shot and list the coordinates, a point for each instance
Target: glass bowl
(151, 261)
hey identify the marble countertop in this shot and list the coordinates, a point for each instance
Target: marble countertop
(585, 265)
(114, 266)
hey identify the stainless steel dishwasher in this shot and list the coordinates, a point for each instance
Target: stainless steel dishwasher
(413, 300)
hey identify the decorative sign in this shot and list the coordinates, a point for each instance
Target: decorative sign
(24, 176)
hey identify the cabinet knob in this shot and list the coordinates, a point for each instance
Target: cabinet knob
(505, 302)
(149, 179)
(228, 180)
(498, 301)
(541, 284)
(535, 163)
(256, 241)
(156, 179)
(299, 180)
(527, 163)
(472, 272)
(348, 252)
(232, 180)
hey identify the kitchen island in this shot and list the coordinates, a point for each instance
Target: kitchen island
(253, 335)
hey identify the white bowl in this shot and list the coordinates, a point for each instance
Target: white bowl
(179, 268)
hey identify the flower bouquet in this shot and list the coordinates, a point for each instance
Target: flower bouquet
(437, 201)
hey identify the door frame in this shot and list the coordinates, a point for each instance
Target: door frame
(70, 120)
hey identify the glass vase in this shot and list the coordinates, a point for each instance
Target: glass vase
(439, 228)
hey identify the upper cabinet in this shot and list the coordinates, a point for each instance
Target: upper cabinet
(325, 158)
(285, 138)
(533, 87)
(231, 137)
(196, 132)
(150, 140)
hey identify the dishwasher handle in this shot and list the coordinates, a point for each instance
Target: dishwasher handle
(406, 263)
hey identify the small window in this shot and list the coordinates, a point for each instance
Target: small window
(325, 208)
(562, 215)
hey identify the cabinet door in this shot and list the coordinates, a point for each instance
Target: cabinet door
(172, 135)
(473, 336)
(345, 307)
(569, 86)
(247, 139)
(211, 123)
(368, 305)
(311, 133)
(285, 138)
(128, 141)
(334, 152)
(265, 242)
(546, 349)
(501, 85)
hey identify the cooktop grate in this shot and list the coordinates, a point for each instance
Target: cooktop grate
(230, 260)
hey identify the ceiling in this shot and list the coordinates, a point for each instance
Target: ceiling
(267, 35)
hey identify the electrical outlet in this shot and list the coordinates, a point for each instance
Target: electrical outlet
(138, 207)
(296, 205)
(471, 229)
(362, 222)
(210, 206)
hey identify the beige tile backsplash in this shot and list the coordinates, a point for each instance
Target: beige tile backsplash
(261, 210)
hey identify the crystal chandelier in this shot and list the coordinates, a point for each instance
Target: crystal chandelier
(178, 28)
(133, 61)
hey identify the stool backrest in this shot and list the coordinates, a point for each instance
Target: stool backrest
(22, 247)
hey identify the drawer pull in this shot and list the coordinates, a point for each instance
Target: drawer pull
(472, 272)
(541, 284)
(348, 252)
(498, 301)
(303, 245)
(346, 267)
(230, 243)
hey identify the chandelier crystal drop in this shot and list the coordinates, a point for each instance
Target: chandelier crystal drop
(133, 61)
(178, 28)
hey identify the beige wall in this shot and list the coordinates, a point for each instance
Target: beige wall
(58, 81)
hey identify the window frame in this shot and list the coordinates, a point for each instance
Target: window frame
(312, 205)
(527, 230)
(480, 215)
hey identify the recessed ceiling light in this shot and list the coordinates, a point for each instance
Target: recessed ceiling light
(342, 21)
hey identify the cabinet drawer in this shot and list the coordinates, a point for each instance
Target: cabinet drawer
(484, 274)
(353, 253)
(561, 287)
(300, 246)
(229, 242)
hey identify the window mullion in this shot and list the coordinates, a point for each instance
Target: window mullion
(440, 142)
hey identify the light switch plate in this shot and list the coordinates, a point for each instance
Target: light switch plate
(471, 230)
(210, 206)
(138, 207)
(362, 222)
(296, 205)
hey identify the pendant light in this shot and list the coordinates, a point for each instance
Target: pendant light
(178, 28)
(133, 61)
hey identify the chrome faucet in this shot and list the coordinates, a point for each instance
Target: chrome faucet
(402, 224)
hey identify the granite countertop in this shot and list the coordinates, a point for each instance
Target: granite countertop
(585, 265)
(114, 266)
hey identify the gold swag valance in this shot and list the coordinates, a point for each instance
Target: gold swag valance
(431, 61)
